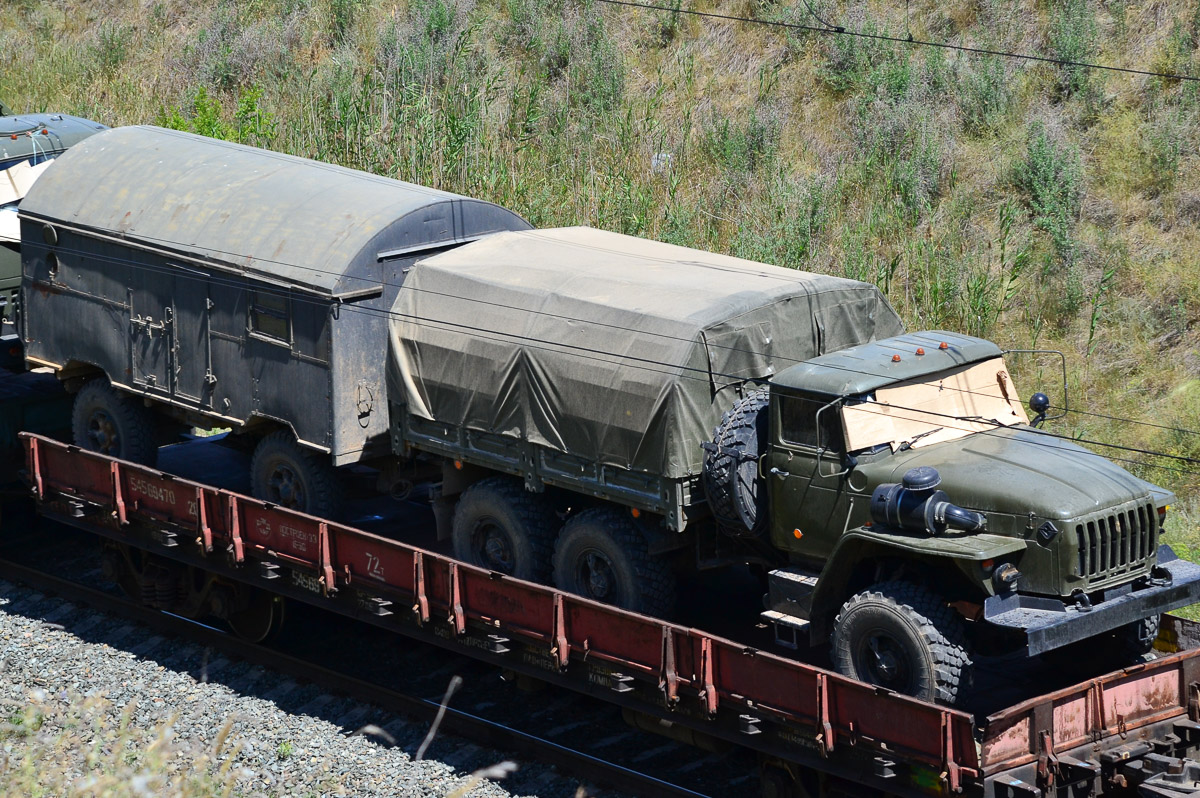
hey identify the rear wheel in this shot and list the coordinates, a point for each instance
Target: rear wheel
(500, 526)
(107, 421)
(903, 637)
(602, 555)
(284, 473)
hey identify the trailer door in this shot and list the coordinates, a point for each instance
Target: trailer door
(151, 319)
(168, 332)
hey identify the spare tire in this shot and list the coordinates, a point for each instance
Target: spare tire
(735, 492)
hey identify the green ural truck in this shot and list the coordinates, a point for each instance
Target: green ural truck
(610, 409)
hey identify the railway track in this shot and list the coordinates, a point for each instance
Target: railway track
(481, 715)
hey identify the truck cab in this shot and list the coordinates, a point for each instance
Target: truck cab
(922, 515)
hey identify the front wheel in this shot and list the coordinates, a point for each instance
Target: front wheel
(110, 422)
(903, 637)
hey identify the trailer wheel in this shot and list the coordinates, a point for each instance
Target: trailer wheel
(601, 555)
(284, 473)
(107, 421)
(500, 526)
(903, 637)
(735, 492)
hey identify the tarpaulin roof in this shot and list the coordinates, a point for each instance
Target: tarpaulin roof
(615, 349)
(289, 219)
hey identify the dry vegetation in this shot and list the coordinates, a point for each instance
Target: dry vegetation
(1037, 205)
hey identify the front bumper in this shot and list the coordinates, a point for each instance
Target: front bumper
(1049, 623)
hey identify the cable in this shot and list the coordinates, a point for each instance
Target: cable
(1128, 421)
(897, 39)
(675, 370)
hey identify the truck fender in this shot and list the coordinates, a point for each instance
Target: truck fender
(842, 575)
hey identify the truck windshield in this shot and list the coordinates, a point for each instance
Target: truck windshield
(939, 407)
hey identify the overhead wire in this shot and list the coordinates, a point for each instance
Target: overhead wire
(842, 31)
(646, 364)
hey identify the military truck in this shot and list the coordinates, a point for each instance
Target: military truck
(26, 142)
(609, 409)
(588, 409)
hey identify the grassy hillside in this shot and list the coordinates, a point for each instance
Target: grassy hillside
(1037, 205)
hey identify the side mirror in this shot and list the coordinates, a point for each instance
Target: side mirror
(1039, 403)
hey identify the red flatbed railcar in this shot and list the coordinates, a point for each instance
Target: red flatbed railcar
(1127, 733)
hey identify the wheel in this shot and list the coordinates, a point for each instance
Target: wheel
(903, 637)
(602, 555)
(1110, 651)
(735, 492)
(262, 618)
(107, 421)
(284, 473)
(500, 526)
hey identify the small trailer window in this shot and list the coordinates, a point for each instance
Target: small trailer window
(269, 315)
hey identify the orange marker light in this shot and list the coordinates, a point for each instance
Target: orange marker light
(987, 564)
(920, 351)
(635, 512)
(458, 465)
(943, 345)
(895, 358)
(796, 533)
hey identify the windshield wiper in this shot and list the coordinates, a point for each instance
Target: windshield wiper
(909, 443)
(979, 419)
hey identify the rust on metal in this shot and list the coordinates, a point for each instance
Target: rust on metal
(711, 697)
(457, 616)
(329, 581)
(421, 598)
(118, 494)
(202, 521)
(235, 531)
(560, 648)
(668, 677)
(36, 467)
(824, 726)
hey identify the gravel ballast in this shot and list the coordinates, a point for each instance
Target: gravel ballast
(94, 704)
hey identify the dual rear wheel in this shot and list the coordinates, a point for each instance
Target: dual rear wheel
(598, 553)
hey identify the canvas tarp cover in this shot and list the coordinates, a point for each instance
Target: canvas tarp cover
(614, 349)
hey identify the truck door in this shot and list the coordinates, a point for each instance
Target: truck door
(809, 499)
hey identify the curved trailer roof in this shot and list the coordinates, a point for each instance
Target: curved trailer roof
(608, 347)
(295, 221)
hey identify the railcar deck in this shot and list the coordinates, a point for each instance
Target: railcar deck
(1105, 736)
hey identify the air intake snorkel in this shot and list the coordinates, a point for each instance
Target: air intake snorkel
(915, 504)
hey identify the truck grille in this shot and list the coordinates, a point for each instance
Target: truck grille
(1118, 542)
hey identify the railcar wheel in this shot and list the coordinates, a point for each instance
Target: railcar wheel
(500, 526)
(262, 618)
(903, 637)
(602, 555)
(107, 421)
(284, 473)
